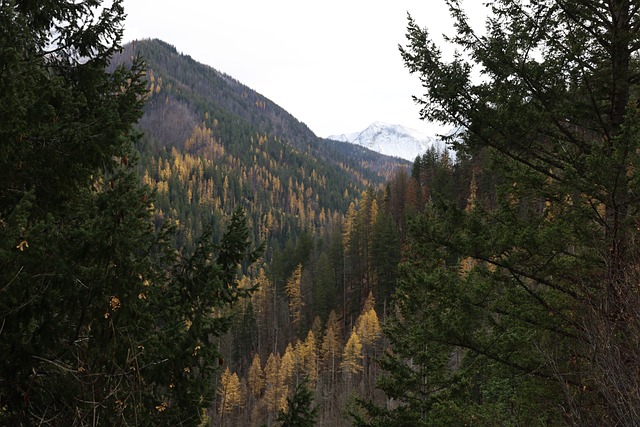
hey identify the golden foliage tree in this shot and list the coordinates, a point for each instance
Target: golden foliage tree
(307, 355)
(295, 296)
(230, 392)
(352, 355)
(368, 327)
(273, 387)
(287, 365)
(256, 377)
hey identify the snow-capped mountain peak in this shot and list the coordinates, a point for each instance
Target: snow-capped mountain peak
(392, 140)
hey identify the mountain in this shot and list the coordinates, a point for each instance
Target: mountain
(211, 143)
(392, 140)
(331, 228)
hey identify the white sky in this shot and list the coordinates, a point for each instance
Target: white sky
(333, 64)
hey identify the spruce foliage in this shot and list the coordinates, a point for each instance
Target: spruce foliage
(518, 306)
(300, 410)
(101, 320)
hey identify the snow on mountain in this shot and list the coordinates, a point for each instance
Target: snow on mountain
(392, 140)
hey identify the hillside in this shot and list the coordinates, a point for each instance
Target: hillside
(211, 143)
(332, 244)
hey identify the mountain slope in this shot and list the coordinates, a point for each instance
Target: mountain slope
(392, 140)
(212, 143)
(201, 87)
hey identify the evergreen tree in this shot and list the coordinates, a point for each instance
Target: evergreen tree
(75, 230)
(385, 256)
(101, 320)
(300, 410)
(544, 318)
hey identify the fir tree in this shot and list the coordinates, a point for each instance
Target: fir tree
(101, 319)
(300, 410)
(541, 325)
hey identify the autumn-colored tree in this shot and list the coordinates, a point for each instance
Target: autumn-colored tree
(369, 333)
(307, 357)
(368, 327)
(295, 297)
(331, 348)
(287, 367)
(256, 377)
(264, 302)
(349, 222)
(352, 355)
(369, 303)
(230, 392)
(273, 386)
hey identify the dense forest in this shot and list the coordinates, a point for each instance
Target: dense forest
(176, 249)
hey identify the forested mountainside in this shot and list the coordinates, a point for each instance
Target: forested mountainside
(135, 287)
(211, 143)
(331, 230)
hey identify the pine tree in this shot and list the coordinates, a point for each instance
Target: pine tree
(102, 320)
(545, 327)
(74, 226)
(300, 410)
(385, 255)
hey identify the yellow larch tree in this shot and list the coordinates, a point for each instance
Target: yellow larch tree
(352, 355)
(230, 392)
(307, 358)
(273, 387)
(349, 221)
(256, 377)
(330, 349)
(264, 303)
(295, 296)
(368, 327)
(287, 365)
(369, 303)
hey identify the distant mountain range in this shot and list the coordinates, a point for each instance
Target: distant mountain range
(392, 140)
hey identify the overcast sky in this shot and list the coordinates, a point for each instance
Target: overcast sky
(333, 64)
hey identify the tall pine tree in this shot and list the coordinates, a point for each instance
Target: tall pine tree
(101, 321)
(544, 325)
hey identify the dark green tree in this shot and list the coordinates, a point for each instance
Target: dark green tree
(101, 321)
(300, 410)
(534, 294)
(190, 315)
(385, 255)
